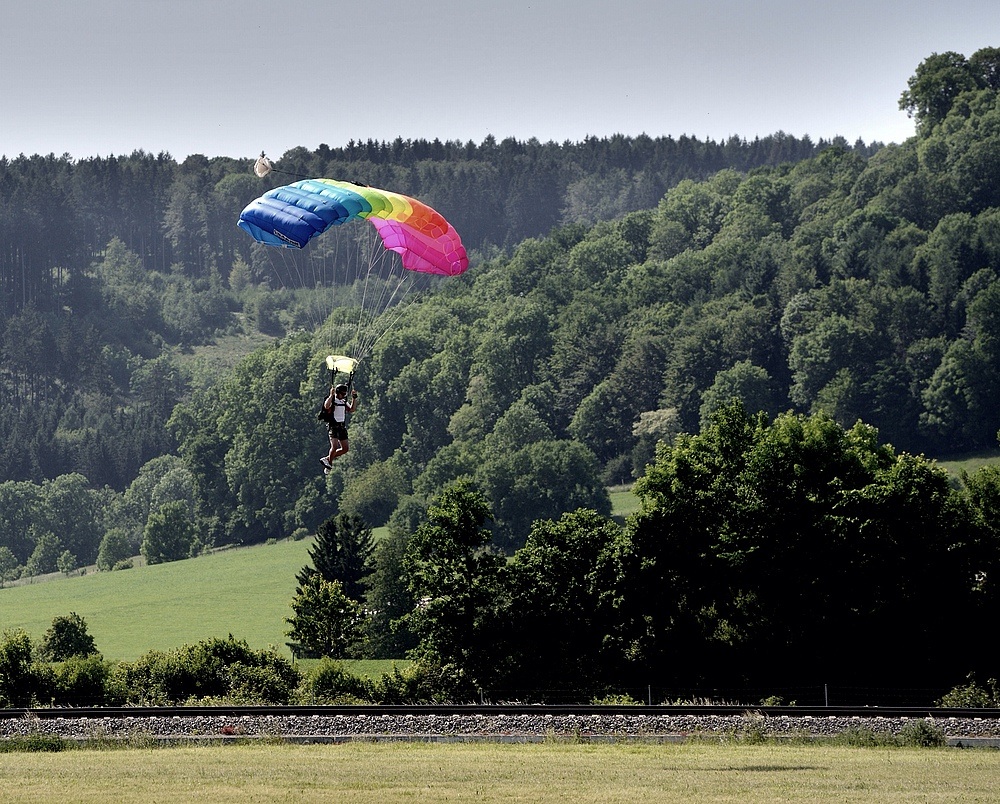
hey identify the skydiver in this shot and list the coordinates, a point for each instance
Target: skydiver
(337, 407)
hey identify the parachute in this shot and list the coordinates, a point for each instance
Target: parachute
(290, 216)
(427, 245)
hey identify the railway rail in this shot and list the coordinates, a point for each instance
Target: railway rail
(496, 722)
(448, 710)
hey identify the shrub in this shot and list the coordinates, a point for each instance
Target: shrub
(330, 683)
(83, 681)
(421, 682)
(775, 700)
(218, 669)
(972, 696)
(922, 734)
(616, 700)
(23, 682)
(262, 684)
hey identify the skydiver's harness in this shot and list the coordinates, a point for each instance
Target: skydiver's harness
(337, 403)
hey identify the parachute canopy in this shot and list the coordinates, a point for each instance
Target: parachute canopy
(291, 215)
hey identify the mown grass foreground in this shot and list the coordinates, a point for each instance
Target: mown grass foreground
(484, 772)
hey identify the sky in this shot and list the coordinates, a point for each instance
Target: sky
(225, 78)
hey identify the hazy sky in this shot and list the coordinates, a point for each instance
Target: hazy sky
(218, 77)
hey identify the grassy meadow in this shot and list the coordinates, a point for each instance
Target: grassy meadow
(484, 772)
(246, 592)
(954, 466)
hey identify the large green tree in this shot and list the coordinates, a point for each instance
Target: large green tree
(935, 85)
(559, 612)
(247, 443)
(454, 580)
(67, 637)
(769, 552)
(169, 534)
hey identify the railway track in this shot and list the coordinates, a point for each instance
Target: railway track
(491, 710)
(501, 722)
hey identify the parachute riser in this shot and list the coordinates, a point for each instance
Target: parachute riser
(334, 375)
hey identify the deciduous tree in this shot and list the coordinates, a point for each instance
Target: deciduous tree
(325, 621)
(67, 636)
(454, 579)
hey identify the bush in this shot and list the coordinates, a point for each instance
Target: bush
(421, 682)
(330, 683)
(972, 696)
(922, 734)
(260, 685)
(83, 681)
(23, 682)
(217, 669)
(615, 699)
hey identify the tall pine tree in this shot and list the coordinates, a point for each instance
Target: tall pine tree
(341, 552)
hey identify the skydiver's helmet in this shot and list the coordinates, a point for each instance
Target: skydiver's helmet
(341, 390)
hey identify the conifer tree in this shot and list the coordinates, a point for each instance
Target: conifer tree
(341, 552)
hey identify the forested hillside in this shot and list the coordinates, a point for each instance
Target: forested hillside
(620, 291)
(107, 262)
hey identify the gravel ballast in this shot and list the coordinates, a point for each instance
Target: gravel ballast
(470, 727)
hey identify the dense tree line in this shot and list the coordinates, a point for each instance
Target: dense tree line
(770, 558)
(110, 265)
(769, 555)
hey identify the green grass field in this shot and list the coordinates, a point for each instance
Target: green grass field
(969, 463)
(486, 772)
(623, 502)
(246, 592)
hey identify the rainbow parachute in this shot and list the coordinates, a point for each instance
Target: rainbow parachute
(291, 215)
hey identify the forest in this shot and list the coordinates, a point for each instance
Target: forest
(622, 293)
(114, 270)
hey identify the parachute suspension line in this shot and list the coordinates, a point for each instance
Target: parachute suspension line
(389, 319)
(394, 298)
(379, 293)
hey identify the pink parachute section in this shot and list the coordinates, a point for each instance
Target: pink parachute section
(443, 254)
